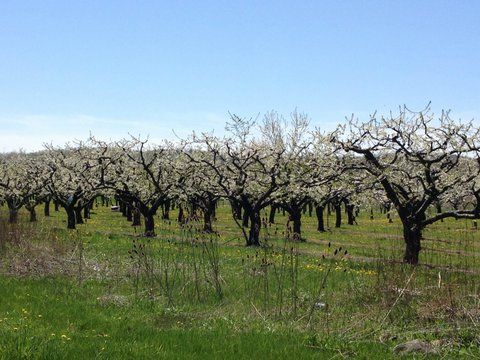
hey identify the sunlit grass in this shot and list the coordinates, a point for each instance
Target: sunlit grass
(92, 305)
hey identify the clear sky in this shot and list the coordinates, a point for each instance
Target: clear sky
(150, 67)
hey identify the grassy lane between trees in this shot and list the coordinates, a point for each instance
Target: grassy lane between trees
(102, 291)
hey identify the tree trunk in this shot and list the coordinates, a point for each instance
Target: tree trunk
(296, 218)
(86, 211)
(271, 217)
(319, 211)
(438, 206)
(71, 218)
(149, 225)
(12, 215)
(193, 208)
(214, 210)
(33, 214)
(55, 205)
(388, 206)
(254, 233)
(46, 209)
(78, 215)
(338, 215)
(181, 215)
(246, 215)
(207, 219)
(236, 210)
(129, 213)
(166, 210)
(136, 217)
(350, 214)
(412, 237)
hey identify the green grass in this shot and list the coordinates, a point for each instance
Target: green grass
(90, 293)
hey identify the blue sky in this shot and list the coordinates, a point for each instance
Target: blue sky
(150, 67)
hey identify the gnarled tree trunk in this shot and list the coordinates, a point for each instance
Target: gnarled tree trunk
(254, 232)
(181, 215)
(46, 209)
(78, 215)
(33, 213)
(236, 210)
(207, 218)
(149, 225)
(13, 216)
(271, 216)
(129, 213)
(350, 214)
(338, 215)
(166, 210)
(86, 212)
(320, 223)
(296, 218)
(12, 213)
(71, 219)
(136, 216)
(412, 236)
(246, 216)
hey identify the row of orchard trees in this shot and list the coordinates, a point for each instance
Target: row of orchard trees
(424, 167)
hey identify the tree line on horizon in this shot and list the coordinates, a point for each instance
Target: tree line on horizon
(425, 167)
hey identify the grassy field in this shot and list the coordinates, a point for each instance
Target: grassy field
(103, 291)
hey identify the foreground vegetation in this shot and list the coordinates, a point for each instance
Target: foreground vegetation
(102, 291)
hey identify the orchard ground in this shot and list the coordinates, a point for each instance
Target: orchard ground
(104, 291)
